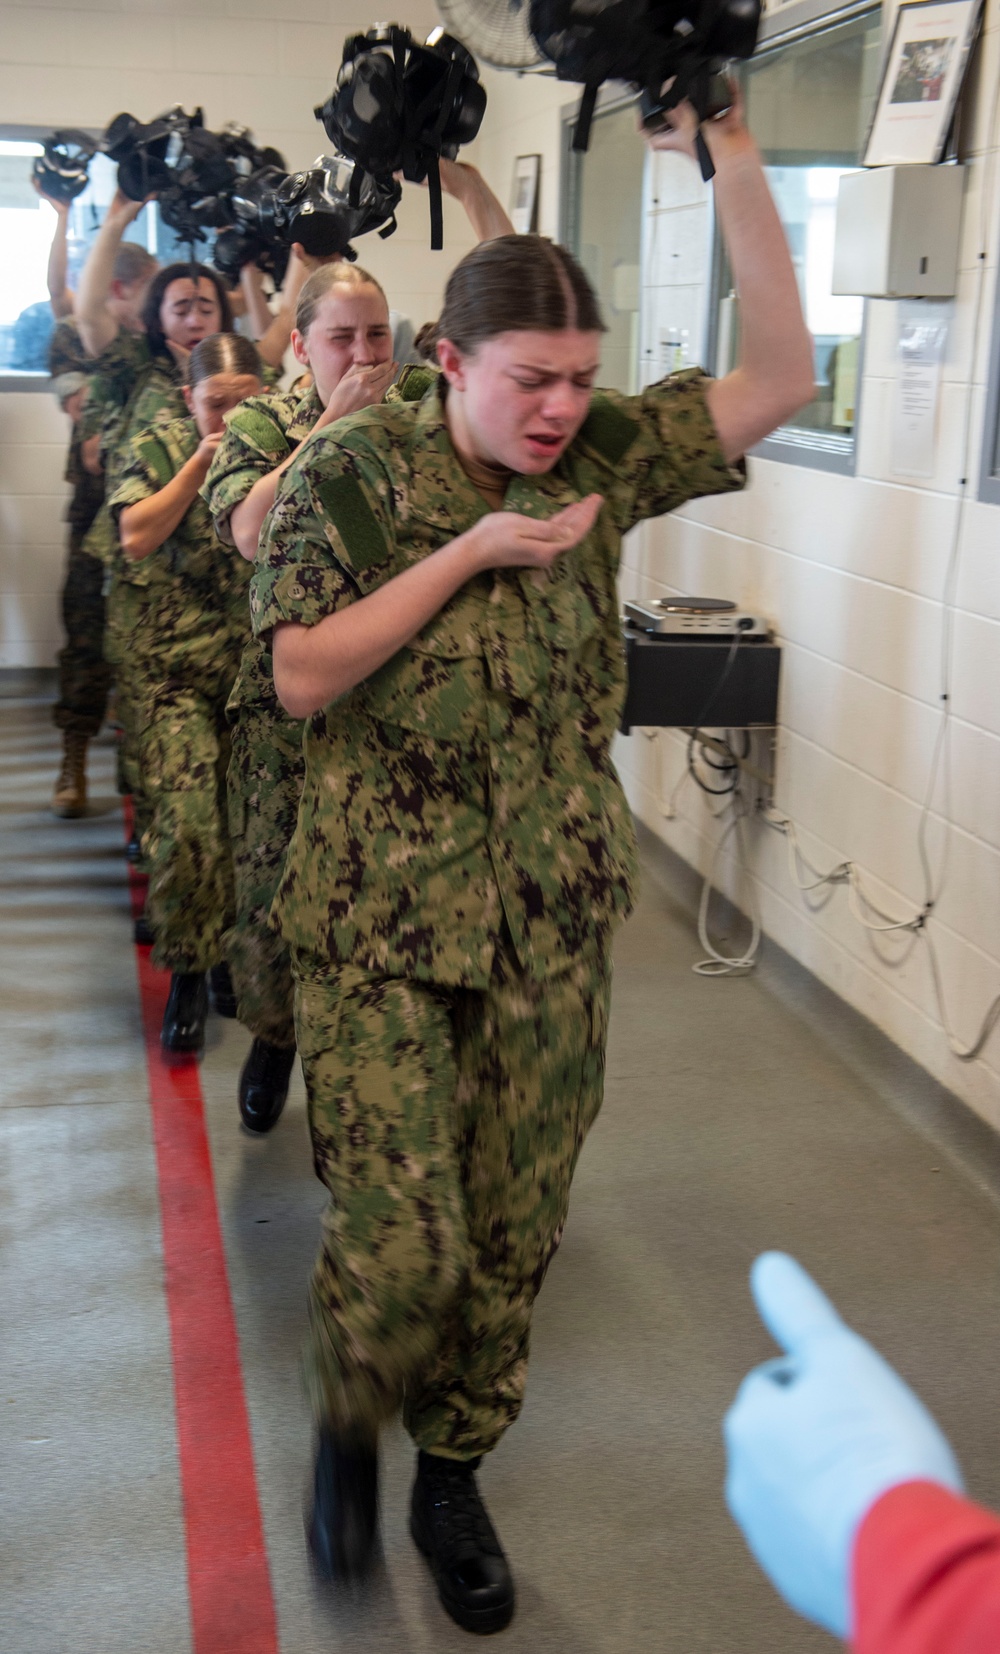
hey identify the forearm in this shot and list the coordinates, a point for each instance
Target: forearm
(143, 527)
(60, 298)
(274, 341)
(257, 308)
(774, 375)
(484, 212)
(926, 1575)
(314, 665)
(97, 326)
(247, 518)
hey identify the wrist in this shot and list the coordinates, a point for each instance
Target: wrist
(730, 144)
(466, 553)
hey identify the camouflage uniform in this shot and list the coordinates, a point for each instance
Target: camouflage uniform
(266, 766)
(463, 854)
(84, 674)
(188, 603)
(131, 391)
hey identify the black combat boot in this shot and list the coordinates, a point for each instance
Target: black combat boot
(449, 1524)
(143, 931)
(343, 1527)
(223, 993)
(264, 1084)
(183, 1030)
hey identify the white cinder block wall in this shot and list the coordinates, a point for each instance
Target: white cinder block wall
(266, 63)
(851, 572)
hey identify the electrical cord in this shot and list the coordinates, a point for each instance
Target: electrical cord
(863, 908)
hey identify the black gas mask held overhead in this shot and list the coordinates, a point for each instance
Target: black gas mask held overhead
(399, 107)
(682, 45)
(61, 171)
(273, 209)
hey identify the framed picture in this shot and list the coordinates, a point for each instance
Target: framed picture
(524, 193)
(921, 79)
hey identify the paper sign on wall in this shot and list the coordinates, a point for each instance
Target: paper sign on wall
(922, 339)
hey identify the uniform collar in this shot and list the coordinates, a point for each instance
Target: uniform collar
(447, 497)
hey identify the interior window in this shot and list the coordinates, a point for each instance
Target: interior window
(604, 231)
(809, 104)
(27, 224)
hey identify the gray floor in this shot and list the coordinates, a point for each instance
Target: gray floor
(732, 1122)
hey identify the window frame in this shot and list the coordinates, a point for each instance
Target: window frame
(29, 379)
(989, 459)
(790, 444)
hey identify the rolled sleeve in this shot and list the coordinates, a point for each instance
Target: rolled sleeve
(135, 483)
(224, 491)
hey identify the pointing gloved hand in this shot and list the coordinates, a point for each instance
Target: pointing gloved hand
(814, 1438)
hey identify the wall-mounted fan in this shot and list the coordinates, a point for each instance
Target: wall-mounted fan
(495, 31)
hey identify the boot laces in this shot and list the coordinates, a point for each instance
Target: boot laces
(459, 1512)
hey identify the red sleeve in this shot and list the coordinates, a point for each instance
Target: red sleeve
(926, 1575)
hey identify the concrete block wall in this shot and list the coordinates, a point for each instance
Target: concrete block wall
(266, 63)
(851, 572)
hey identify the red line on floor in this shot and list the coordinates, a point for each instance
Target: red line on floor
(229, 1582)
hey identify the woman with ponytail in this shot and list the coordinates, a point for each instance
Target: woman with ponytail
(189, 625)
(343, 337)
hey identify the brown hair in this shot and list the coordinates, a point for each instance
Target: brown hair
(156, 291)
(517, 283)
(132, 263)
(224, 353)
(340, 274)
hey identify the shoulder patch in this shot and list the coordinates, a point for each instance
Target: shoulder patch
(608, 430)
(414, 382)
(154, 455)
(343, 500)
(261, 429)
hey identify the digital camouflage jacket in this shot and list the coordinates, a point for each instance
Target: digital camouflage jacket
(469, 781)
(191, 593)
(260, 435)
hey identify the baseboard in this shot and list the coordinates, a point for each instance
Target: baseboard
(27, 683)
(928, 1106)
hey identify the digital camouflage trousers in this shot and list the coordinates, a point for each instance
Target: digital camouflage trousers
(184, 752)
(84, 674)
(264, 783)
(446, 1124)
(122, 606)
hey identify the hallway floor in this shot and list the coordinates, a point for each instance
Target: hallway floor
(730, 1124)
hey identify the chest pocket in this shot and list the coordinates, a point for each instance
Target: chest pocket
(538, 627)
(436, 685)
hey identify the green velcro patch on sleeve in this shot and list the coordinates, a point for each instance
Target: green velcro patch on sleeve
(343, 500)
(155, 457)
(608, 430)
(265, 433)
(414, 381)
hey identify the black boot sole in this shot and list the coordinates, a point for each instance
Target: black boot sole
(483, 1621)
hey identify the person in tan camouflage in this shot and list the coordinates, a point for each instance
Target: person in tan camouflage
(343, 337)
(438, 581)
(188, 629)
(85, 674)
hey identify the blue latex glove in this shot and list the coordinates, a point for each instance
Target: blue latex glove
(815, 1438)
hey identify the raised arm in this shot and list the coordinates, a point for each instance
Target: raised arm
(774, 375)
(482, 209)
(275, 340)
(255, 300)
(98, 327)
(60, 296)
